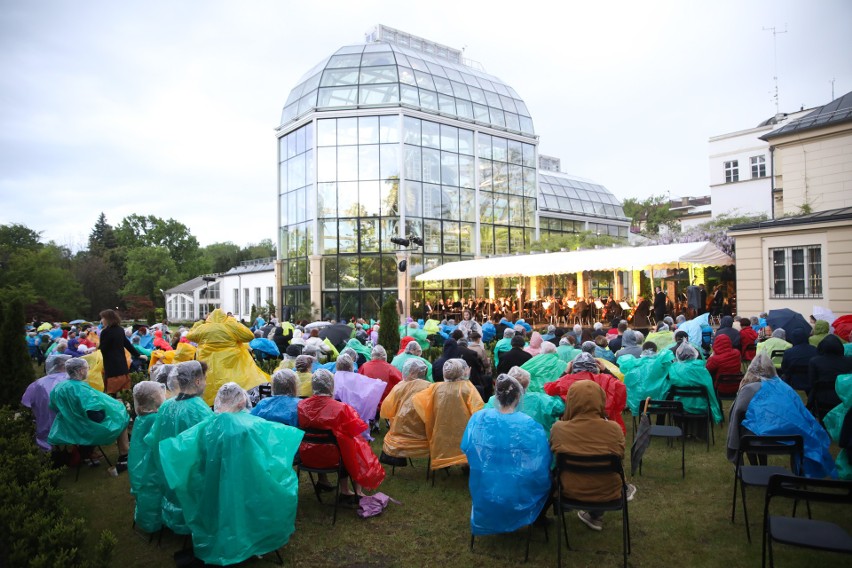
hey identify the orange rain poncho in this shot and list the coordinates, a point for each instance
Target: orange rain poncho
(445, 408)
(223, 345)
(407, 435)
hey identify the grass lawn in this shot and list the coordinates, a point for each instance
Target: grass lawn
(674, 522)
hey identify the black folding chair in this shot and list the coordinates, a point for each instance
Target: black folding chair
(726, 387)
(758, 475)
(264, 391)
(806, 533)
(606, 464)
(672, 413)
(323, 437)
(818, 407)
(706, 417)
(777, 355)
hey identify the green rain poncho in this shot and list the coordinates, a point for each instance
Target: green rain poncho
(73, 401)
(501, 346)
(773, 344)
(359, 348)
(644, 377)
(542, 408)
(834, 422)
(175, 416)
(567, 353)
(662, 339)
(399, 362)
(694, 374)
(146, 481)
(234, 477)
(543, 368)
(821, 328)
(420, 335)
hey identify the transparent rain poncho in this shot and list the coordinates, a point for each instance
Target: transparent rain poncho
(146, 482)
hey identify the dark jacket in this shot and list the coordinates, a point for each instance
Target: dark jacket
(725, 328)
(824, 368)
(796, 361)
(451, 351)
(112, 345)
(514, 357)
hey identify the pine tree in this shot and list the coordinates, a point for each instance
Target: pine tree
(102, 238)
(389, 326)
(18, 372)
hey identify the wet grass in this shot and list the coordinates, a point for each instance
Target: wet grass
(674, 522)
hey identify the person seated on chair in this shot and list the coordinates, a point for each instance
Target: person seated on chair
(86, 417)
(177, 415)
(778, 342)
(585, 430)
(358, 391)
(445, 408)
(726, 327)
(303, 367)
(233, 474)
(767, 406)
(509, 464)
(689, 371)
(796, 359)
(281, 406)
(407, 435)
(37, 398)
(629, 345)
(514, 357)
(725, 360)
(825, 368)
(379, 368)
(146, 483)
(321, 411)
(541, 407)
(412, 351)
(544, 367)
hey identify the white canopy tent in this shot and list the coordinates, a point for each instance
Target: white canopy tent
(703, 253)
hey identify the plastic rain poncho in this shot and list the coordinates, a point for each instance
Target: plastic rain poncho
(359, 348)
(231, 398)
(279, 408)
(265, 346)
(325, 413)
(541, 407)
(360, 392)
(222, 344)
(834, 423)
(773, 344)
(693, 373)
(567, 353)
(146, 481)
(616, 392)
(234, 476)
(175, 416)
(407, 435)
(509, 461)
(72, 401)
(644, 377)
(777, 409)
(399, 363)
(419, 335)
(662, 339)
(445, 409)
(543, 369)
(95, 377)
(693, 328)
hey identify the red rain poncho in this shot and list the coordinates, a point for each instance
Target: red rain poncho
(616, 392)
(325, 413)
(725, 360)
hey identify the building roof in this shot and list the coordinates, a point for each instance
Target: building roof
(837, 111)
(828, 216)
(191, 285)
(249, 266)
(562, 193)
(383, 74)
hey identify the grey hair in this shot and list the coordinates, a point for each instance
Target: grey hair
(521, 375)
(578, 328)
(77, 368)
(344, 363)
(56, 364)
(304, 363)
(508, 333)
(349, 352)
(454, 369)
(598, 325)
(681, 318)
(185, 373)
(588, 347)
(231, 398)
(551, 328)
(779, 333)
(414, 369)
(412, 347)
(148, 396)
(564, 341)
(378, 353)
(322, 382)
(761, 367)
(284, 382)
(548, 347)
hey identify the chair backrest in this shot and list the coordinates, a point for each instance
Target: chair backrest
(727, 383)
(690, 392)
(750, 351)
(264, 390)
(809, 489)
(588, 465)
(776, 353)
(792, 445)
(664, 407)
(319, 436)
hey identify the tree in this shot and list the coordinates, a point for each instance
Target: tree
(18, 370)
(139, 307)
(137, 231)
(99, 281)
(650, 214)
(102, 238)
(149, 270)
(575, 241)
(219, 257)
(389, 326)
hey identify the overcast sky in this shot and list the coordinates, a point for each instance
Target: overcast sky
(169, 108)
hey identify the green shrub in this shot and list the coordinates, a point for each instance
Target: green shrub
(17, 365)
(389, 326)
(36, 530)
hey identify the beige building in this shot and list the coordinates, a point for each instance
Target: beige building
(803, 258)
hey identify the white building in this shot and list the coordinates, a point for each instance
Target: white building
(252, 283)
(193, 299)
(741, 169)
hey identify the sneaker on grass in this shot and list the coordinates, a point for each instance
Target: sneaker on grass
(631, 491)
(586, 518)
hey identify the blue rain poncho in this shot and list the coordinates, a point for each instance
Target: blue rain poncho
(175, 416)
(278, 408)
(694, 374)
(694, 327)
(146, 482)
(834, 423)
(544, 368)
(509, 461)
(644, 377)
(265, 346)
(541, 407)
(777, 409)
(234, 477)
(488, 332)
(77, 406)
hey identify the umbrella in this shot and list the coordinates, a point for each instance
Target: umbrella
(75, 322)
(316, 324)
(843, 326)
(642, 439)
(338, 334)
(821, 313)
(788, 320)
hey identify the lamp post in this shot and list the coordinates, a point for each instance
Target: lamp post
(405, 288)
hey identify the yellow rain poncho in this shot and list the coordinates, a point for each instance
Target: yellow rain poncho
(184, 352)
(223, 345)
(445, 409)
(407, 435)
(95, 378)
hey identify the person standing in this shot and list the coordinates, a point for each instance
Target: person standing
(113, 343)
(660, 300)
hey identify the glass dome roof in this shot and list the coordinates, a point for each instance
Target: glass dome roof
(385, 75)
(568, 194)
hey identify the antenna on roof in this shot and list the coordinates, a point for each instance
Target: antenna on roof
(775, 52)
(832, 88)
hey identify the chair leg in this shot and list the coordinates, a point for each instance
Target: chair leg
(624, 532)
(560, 527)
(103, 453)
(278, 555)
(336, 498)
(734, 501)
(529, 537)
(471, 540)
(745, 511)
(683, 456)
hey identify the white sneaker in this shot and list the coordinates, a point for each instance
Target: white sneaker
(631, 491)
(586, 518)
